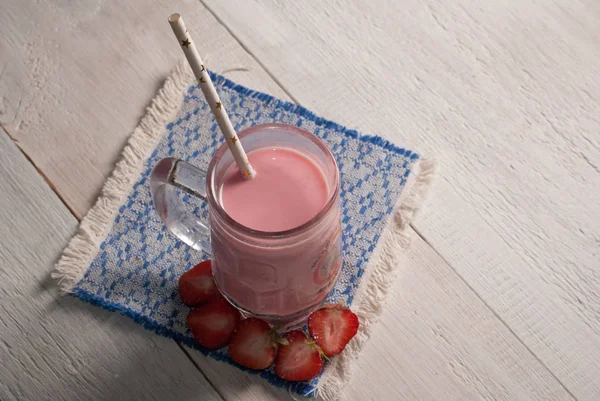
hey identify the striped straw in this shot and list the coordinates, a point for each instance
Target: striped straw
(211, 95)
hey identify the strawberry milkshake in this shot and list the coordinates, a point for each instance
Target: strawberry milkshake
(281, 257)
(290, 190)
(274, 239)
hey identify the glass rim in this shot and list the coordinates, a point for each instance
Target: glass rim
(220, 211)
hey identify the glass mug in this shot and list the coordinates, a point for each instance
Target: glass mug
(280, 277)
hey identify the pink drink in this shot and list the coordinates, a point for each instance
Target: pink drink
(275, 240)
(286, 278)
(289, 191)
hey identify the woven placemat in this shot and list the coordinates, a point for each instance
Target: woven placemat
(122, 258)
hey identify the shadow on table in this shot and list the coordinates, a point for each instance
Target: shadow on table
(122, 360)
(100, 355)
(235, 384)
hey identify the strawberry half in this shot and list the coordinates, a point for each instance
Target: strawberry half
(254, 344)
(197, 285)
(300, 359)
(212, 324)
(332, 327)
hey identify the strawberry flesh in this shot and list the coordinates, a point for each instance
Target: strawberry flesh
(332, 328)
(212, 324)
(254, 344)
(197, 286)
(300, 359)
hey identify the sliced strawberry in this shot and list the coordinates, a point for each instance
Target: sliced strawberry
(300, 359)
(212, 324)
(254, 344)
(332, 327)
(197, 285)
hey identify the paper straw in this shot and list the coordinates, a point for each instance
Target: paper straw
(211, 95)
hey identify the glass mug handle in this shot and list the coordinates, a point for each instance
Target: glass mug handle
(167, 175)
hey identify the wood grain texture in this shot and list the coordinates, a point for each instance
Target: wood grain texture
(73, 83)
(78, 76)
(59, 348)
(436, 338)
(505, 93)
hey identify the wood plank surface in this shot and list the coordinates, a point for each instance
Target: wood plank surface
(436, 338)
(73, 83)
(59, 348)
(505, 94)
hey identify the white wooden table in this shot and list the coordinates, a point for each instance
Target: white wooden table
(499, 298)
